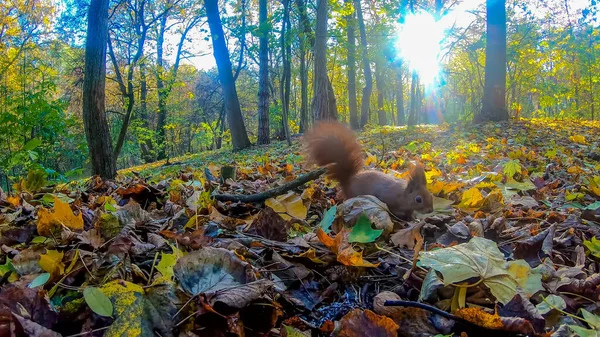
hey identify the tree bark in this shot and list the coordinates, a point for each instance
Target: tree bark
(399, 97)
(145, 144)
(323, 97)
(161, 90)
(412, 115)
(285, 83)
(263, 83)
(351, 64)
(381, 116)
(494, 93)
(368, 89)
(94, 83)
(239, 137)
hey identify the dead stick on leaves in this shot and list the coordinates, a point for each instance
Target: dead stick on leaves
(301, 180)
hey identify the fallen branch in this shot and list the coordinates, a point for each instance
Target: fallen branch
(301, 180)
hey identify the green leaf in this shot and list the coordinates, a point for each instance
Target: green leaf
(481, 258)
(552, 302)
(39, 281)
(32, 144)
(39, 239)
(328, 219)
(512, 167)
(166, 264)
(593, 246)
(591, 319)
(362, 231)
(592, 207)
(5, 268)
(98, 301)
(583, 332)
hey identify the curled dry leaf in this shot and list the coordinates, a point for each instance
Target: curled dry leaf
(366, 323)
(414, 321)
(241, 296)
(407, 237)
(210, 269)
(271, 225)
(377, 211)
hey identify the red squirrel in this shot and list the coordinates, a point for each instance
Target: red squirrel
(331, 143)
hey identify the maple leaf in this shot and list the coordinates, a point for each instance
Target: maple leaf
(344, 251)
(61, 216)
(512, 167)
(472, 198)
(289, 206)
(363, 232)
(52, 262)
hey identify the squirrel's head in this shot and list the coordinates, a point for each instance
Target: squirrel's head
(419, 198)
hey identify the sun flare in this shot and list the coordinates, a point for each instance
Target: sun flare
(419, 44)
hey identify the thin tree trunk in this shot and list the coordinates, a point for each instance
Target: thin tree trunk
(494, 93)
(263, 84)
(368, 88)
(94, 84)
(351, 60)
(145, 144)
(160, 88)
(399, 97)
(323, 97)
(412, 115)
(239, 137)
(287, 73)
(381, 116)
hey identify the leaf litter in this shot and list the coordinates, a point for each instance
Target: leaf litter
(512, 247)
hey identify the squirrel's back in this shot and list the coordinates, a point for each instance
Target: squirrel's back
(333, 143)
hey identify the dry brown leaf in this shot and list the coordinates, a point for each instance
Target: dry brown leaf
(359, 323)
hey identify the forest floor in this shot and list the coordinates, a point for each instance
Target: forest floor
(510, 248)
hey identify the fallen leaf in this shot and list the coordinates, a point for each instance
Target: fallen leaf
(366, 323)
(61, 216)
(52, 262)
(362, 231)
(343, 250)
(289, 206)
(140, 312)
(377, 211)
(98, 301)
(210, 269)
(471, 198)
(166, 264)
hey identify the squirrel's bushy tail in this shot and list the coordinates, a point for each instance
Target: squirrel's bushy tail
(333, 143)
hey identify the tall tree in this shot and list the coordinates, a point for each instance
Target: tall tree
(368, 88)
(94, 83)
(286, 75)
(303, 37)
(239, 137)
(351, 65)
(324, 98)
(263, 74)
(400, 119)
(165, 79)
(414, 105)
(381, 116)
(494, 92)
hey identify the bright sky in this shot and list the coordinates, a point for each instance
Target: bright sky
(204, 59)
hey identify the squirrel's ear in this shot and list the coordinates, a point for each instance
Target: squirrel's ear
(416, 178)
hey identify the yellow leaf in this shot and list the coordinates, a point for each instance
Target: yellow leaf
(14, 201)
(595, 185)
(371, 159)
(579, 139)
(345, 253)
(62, 216)
(575, 170)
(291, 204)
(471, 198)
(52, 262)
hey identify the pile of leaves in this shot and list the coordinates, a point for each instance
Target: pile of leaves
(511, 248)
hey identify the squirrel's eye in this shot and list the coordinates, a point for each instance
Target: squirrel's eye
(418, 199)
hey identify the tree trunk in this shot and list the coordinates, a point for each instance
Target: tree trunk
(145, 144)
(303, 86)
(263, 84)
(94, 84)
(494, 103)
(239, 137)
(285, 82)
(160, 88)
(412, 115)
(368, 89)
(399, 97)
(351, 60)
(380, 90)
(323, 97)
